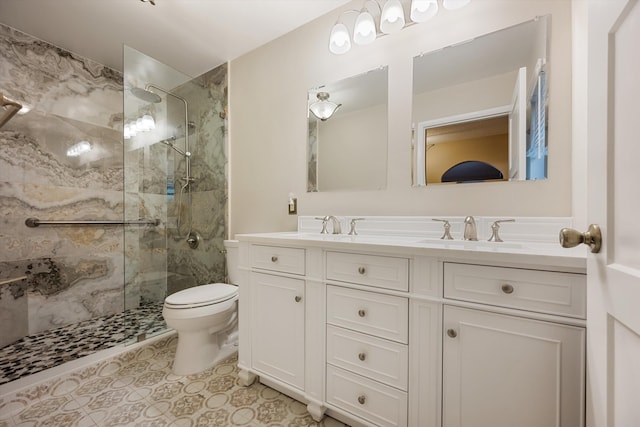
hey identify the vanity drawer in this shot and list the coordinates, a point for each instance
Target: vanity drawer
(383, 316)
(276, 258)
(375, 358)
(377, 403)
(533, 290)
(372, 270)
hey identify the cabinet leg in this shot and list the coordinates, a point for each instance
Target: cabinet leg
(316, 411)
(246, 377)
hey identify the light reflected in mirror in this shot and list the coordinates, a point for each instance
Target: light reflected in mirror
(348, 150)
(480, 108)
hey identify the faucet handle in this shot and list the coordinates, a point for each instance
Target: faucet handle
(325, 221)
(447, 229)
(352, 223)
(495, 227)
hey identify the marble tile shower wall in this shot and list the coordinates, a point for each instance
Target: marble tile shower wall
(72, 273)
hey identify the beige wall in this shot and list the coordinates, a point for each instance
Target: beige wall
(268, 122)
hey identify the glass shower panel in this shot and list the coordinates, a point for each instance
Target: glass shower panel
(175, 170)
(153, 122)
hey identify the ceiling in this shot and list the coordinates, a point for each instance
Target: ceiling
(192, 36)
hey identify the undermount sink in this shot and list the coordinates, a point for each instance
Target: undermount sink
(472, 244)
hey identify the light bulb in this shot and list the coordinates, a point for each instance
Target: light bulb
(339, 41)
(423, 10)
(364, 31)
(392, 18)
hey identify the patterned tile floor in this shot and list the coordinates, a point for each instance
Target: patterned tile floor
(36, 353)
(137, 388)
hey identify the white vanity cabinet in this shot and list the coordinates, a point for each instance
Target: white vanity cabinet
(414, 335)
(516, 369)
(367, 336)
(277, 327)
(272, 316)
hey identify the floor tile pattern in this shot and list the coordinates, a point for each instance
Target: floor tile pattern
(138, 388)
(36, 353)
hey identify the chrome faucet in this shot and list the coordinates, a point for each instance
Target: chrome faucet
(335, 223)
(470, 229)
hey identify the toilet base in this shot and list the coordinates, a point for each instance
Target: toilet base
(199, 351)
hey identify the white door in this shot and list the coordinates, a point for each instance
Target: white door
(613, 126)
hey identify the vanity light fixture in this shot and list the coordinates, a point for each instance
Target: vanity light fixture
(392, 20)
(323, 108)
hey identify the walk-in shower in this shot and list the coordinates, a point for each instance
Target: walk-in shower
(111, 240)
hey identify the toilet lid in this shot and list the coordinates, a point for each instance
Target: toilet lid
(202, 295)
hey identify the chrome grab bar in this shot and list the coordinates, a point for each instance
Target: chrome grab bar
(35, 222)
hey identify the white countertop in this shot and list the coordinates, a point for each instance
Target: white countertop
(517, 253)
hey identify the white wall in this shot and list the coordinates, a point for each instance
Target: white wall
(268, 122)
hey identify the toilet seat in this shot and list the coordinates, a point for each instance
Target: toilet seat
(201, 296)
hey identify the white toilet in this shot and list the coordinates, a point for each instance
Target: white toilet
(206, 319)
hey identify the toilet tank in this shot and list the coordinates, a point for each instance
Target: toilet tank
(231, 246)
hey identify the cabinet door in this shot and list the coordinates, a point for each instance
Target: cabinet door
(504, 371)
(277, 327)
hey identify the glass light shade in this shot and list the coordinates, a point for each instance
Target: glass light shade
(339, 41)
(423, 10)
(323, 108)
(392, 18)
(364, 31)
(127, 132)
(148, 123)
(454, 4)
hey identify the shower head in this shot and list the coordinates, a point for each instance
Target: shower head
(8, 109)
(145, 95)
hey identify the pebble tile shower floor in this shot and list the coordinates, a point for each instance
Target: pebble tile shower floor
(137, 388)
(35, 353)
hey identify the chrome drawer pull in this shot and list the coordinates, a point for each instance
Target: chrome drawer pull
(274, 259)
(507, 289)
(298, 298)
(362, 270)
(452, 333)
(362, 399)
(362, 356)
(362, 313)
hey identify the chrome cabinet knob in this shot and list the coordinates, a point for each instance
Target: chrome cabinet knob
(298, 298)
(274, 258)
(362, 356)
(362, 313)
(507, 289)
(362, 399)
(362, 270)
(592, 237)
(452, 333)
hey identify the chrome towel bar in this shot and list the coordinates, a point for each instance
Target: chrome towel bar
(35, 222)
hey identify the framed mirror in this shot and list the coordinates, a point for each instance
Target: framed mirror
(347, 134)
(479, 108)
